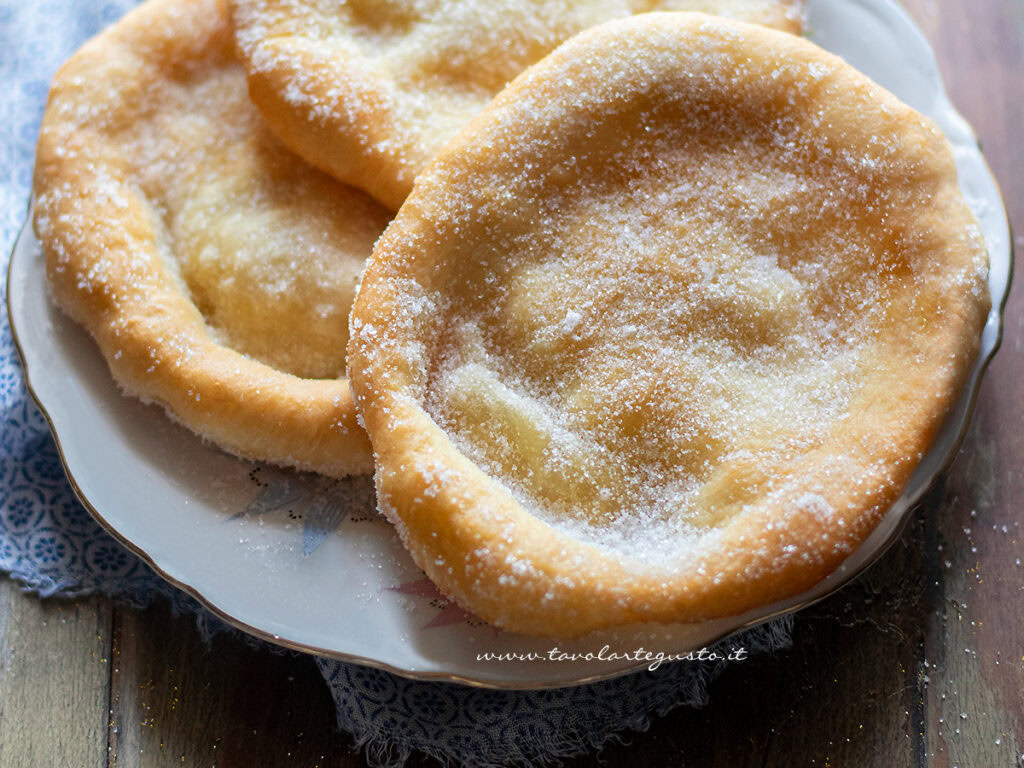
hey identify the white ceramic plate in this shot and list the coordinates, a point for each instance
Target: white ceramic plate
(308, 563)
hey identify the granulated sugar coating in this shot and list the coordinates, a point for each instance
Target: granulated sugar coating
(215, 269)
(665, 330)
(370, 90)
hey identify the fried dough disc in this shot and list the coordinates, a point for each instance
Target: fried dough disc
(214, 268)
(665, 344)
(369, 90)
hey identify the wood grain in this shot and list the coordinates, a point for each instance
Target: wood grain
(177, 700)
(920, 663)
(54, 680)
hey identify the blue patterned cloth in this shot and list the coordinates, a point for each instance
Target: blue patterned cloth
(49, 543)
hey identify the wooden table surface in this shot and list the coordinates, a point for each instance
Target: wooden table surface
(920, 663)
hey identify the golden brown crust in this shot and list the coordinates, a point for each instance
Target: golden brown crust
(111, 218)
(897, 296)
(369, 91)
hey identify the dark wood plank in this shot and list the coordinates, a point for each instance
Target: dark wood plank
(975, 644)
(54, 678)
(177, 700)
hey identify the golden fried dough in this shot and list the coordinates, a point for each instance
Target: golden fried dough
(369, 90)
(214, 268)
(661, 335)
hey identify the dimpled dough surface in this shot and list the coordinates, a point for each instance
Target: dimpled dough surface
(369, 90)
(661, 335)
(156, 176)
